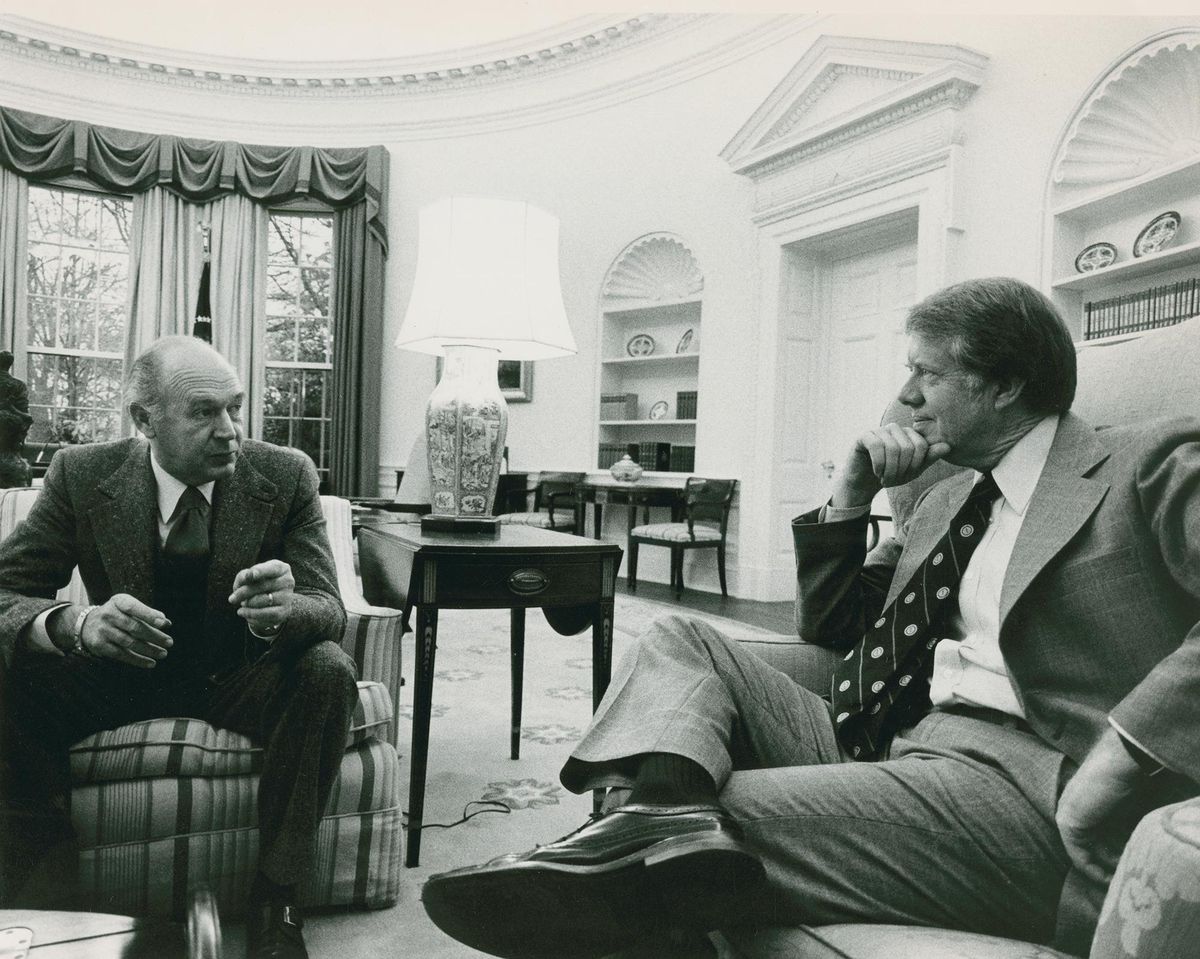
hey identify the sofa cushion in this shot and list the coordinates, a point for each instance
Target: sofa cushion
(191, 747)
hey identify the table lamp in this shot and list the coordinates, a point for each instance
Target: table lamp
(486, 289)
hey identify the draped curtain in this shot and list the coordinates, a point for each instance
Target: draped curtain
(14, 214)
(348, 180)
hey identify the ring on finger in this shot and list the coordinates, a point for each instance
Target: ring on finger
(270, 599)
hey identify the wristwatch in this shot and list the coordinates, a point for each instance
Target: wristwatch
(77, 646)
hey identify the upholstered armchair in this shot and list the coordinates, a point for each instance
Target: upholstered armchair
(164, 805)
(1152, 910)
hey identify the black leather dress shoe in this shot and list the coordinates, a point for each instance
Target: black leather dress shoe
(609, 884)
(273, 931)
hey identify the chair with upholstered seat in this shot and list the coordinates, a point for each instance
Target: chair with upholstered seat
(555, 503)
(705, 522)
(164, 805)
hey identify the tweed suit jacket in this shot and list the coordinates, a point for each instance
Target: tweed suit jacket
(98, 511)
(1100, 606)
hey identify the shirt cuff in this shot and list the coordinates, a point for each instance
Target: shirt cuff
(39, 634)
(1146, 760)
(836, 514)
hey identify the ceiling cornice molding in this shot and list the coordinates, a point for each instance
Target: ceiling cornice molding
(735, 38)
(579, 41)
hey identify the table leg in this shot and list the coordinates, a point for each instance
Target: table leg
(517, 665)
(597, 520)
(426, 649)
(602, 623)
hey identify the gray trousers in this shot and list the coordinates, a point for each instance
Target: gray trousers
(954, 829)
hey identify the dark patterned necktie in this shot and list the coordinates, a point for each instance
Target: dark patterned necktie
(189, 535)
(884, 678)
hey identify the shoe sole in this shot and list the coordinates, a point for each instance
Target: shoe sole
(544, 910)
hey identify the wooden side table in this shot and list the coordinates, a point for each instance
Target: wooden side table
(570, 578)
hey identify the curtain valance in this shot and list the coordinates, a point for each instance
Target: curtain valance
(45, 148)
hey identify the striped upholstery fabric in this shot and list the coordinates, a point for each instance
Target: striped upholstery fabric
(677, 533)
(372, 634)
(191, 747)
(163, 805)
(149, 840)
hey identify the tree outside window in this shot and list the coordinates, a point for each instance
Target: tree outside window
(77, 283)
(299, 360)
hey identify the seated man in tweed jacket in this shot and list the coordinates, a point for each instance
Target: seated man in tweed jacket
(215, 597)
(1018, 681)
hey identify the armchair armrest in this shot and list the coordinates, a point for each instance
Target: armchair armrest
(1152, 909)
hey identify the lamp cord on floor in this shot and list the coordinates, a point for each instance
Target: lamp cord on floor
(496, 805)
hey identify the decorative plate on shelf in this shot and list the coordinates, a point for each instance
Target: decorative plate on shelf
(640, 345)
(658, 410)
(685, 342)
(1095, 257)
(1157, 234)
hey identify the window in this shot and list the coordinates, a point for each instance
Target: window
(296, 402)
(77, 281)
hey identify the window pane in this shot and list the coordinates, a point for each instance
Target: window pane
(314, 292)
(310, 439)
(282, 240)
(281, 289)
(316, 244)
(112, 328)
(81, 220)
(314, 340)
(314, 393)
(78, 277)
(76, 328)
(114, 225)
(41, 318)
(278, 397)
(276, 431)
(45, 214)
(42, 271)
(113, 278)
(281, 339)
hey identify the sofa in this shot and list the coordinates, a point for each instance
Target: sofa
(163, 806)
(1152, 910)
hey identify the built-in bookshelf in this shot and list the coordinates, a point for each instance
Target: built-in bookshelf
(650, 349)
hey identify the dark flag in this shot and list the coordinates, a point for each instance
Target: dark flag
(202, 325)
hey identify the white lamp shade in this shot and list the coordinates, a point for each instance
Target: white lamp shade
(487, 275)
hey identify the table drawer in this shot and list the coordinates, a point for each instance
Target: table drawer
(532, 581)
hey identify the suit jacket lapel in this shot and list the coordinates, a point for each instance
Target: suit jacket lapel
(125, 524)
(242, 508)
(1062, 502)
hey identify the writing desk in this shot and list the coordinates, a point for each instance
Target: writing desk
(570, 578)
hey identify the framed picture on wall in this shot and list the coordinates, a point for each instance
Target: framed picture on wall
(515, 378)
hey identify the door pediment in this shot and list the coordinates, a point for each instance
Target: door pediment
(847, 87)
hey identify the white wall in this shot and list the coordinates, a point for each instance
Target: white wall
(616, 169)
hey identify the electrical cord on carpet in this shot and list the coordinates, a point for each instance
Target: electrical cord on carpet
(496, 805)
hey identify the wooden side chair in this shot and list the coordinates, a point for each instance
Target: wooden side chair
(705, 514)
(555, 503)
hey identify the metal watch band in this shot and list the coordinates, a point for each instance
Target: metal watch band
(77, 646)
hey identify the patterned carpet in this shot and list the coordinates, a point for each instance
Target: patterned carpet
(468, 761)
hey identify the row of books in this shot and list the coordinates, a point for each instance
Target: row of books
(618, 406)
(1143, 310)
(685, 404)
(651, 455)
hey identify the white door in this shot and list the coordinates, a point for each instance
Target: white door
(841, 362)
